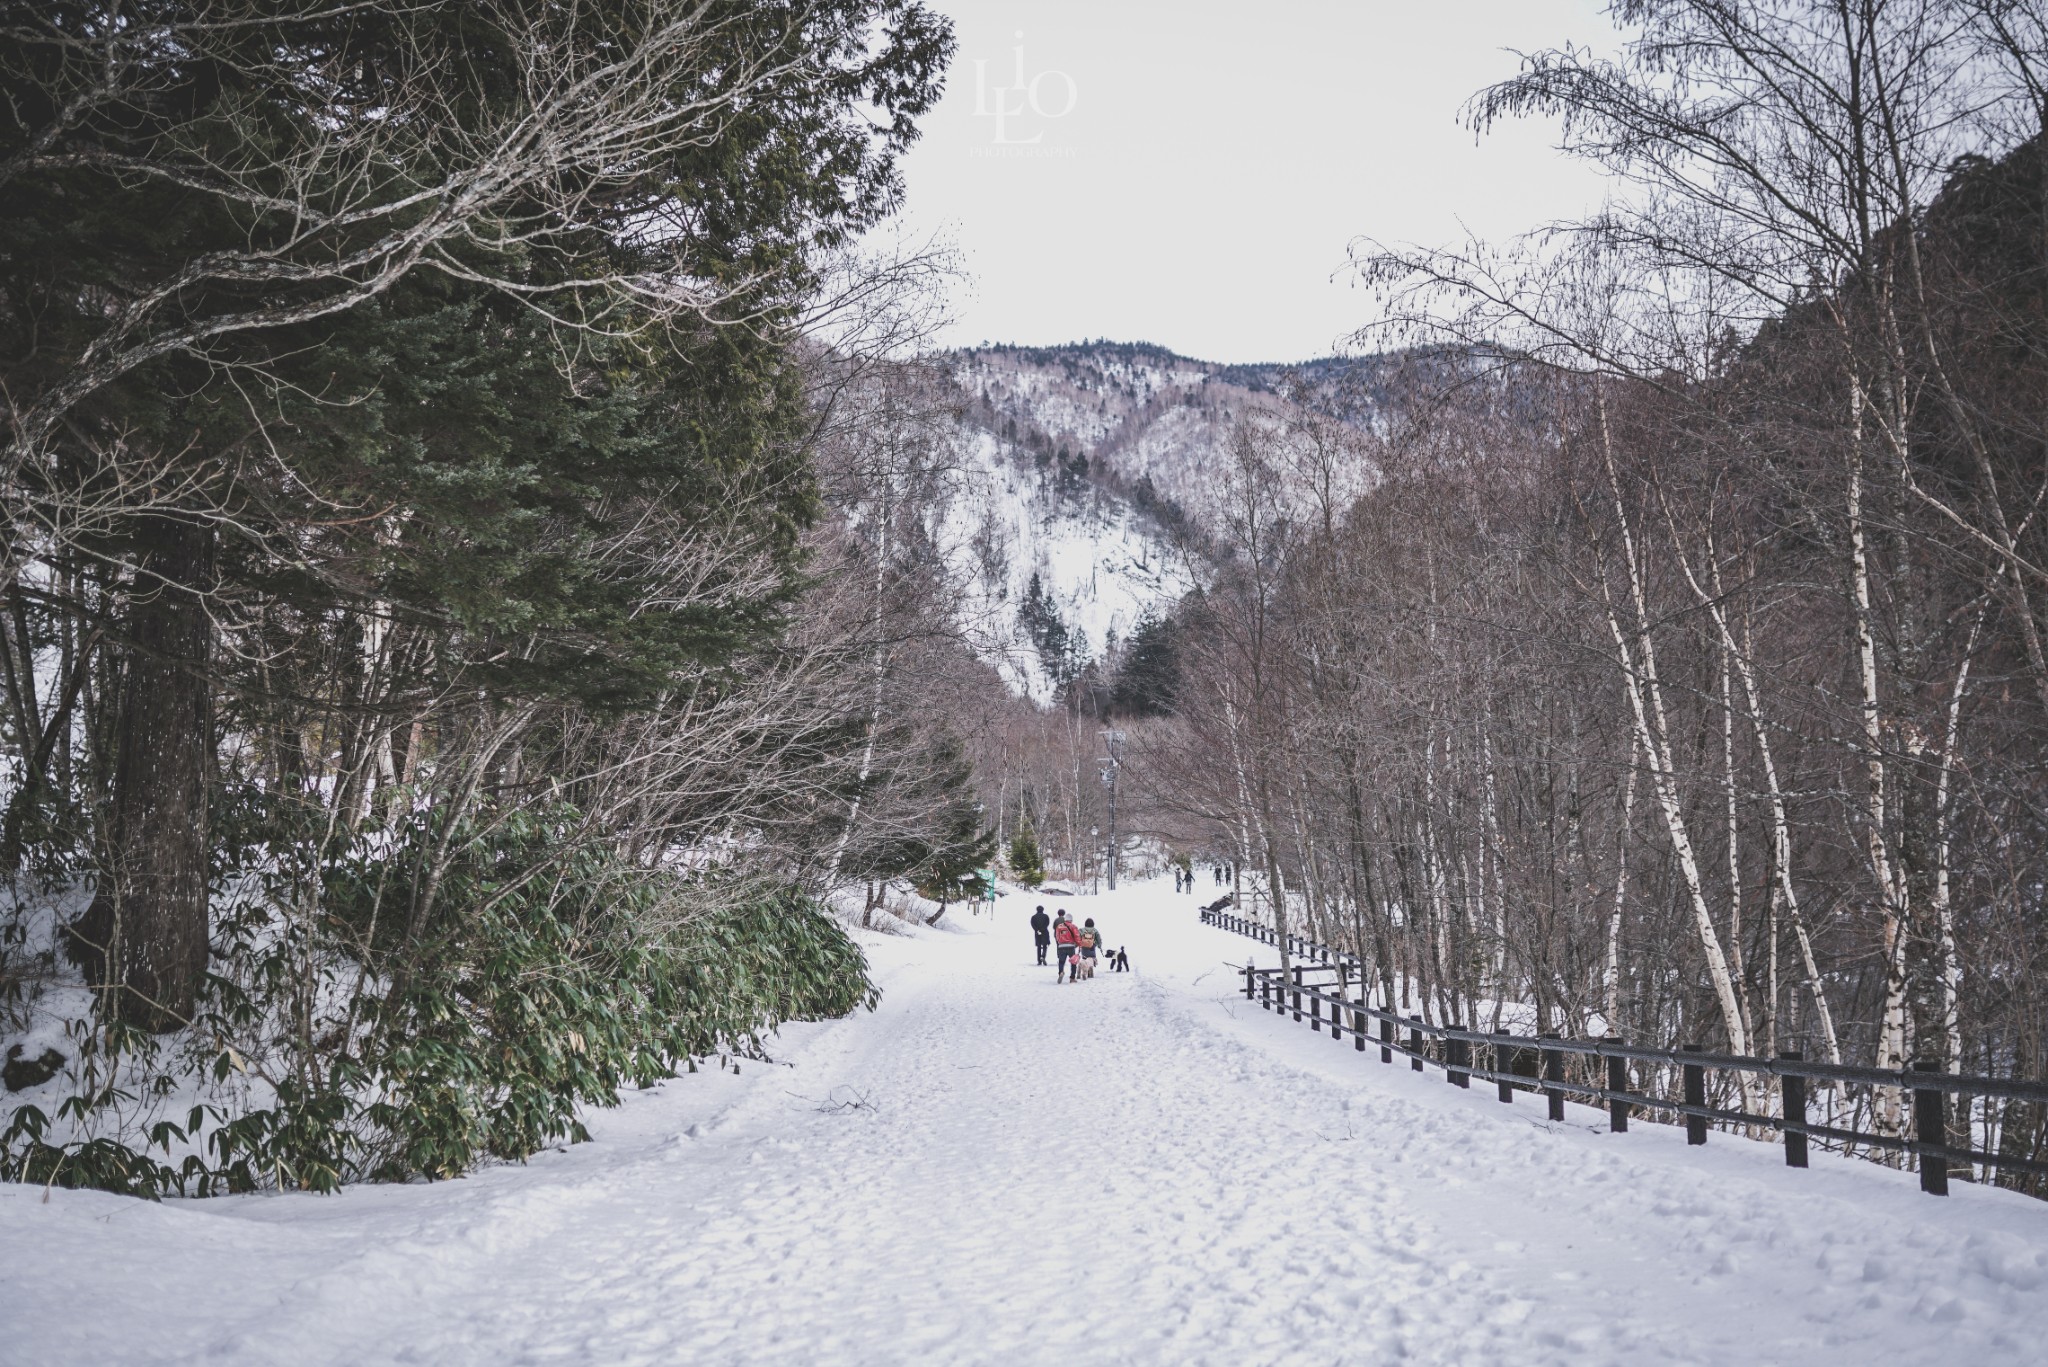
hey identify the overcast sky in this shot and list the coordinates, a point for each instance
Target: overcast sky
(1191, 173)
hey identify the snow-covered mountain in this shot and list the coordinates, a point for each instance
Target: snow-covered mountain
(1091, 469)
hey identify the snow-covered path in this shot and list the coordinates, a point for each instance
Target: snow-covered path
(991, 1169)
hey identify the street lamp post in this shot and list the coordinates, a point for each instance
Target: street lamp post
(1113, 741)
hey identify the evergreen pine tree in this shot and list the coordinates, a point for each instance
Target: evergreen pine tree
(1027, 865)
(298, 445)
(1148, 677)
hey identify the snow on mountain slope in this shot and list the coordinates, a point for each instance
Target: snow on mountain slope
(1103, 562)
(1134, 412)
(1096, 467)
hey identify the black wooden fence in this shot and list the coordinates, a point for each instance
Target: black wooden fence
(1538, 1063)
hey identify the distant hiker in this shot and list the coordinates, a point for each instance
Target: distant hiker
(1091, 940)
(1176, 880)
(1041, 932)
(1219, 875)
(1067, 937)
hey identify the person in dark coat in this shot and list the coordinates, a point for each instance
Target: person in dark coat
(1041, 932)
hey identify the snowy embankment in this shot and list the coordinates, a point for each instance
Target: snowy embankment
(994, 1169)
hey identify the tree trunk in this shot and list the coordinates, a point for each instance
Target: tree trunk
(143, 940)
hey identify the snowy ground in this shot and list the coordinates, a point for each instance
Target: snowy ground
(992, 1169)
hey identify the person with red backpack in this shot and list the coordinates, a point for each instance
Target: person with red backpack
(1090, 941)
(1067, 938)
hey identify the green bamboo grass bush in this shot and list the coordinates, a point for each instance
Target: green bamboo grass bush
(358, 1041)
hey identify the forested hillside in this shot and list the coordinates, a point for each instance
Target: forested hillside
(1681, 675)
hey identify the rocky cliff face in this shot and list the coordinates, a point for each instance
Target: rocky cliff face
(1092, 471)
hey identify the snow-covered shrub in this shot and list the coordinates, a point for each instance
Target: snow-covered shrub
(341, 1038)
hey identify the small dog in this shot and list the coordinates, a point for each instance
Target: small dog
(1082, 966)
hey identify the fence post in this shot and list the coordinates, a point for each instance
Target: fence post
(1695, 1095)
(1617, 1081)
(1266, 989)
(1792, 1089)
(1387, 1037)
(1457, 1054)
(1247, 980)
(1930, 1130)
(1297, 994)
(1358, 1017)
(1315, 1010)
(1415, 1043)
(1502, 1055)
(1553, 1071)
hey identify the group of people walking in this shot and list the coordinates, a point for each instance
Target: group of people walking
(1078, 946)
(1184, 879)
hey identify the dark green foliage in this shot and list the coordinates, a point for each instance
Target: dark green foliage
(942, 842)
(564, 980)
(539, 503)
(1027, 865)
(1148, 676)
(1061, 653)
(218, 325)
(960, 845)
(548, 985)
(957, 851)
(429, 489)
